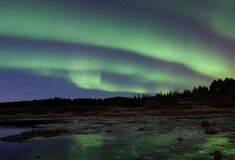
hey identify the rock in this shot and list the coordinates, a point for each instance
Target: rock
(201, 152)
(205, 124)
(214, 123)
(108, 131)
(180, 139)
(210, 131)
(230, 141)
(217, 155)
(141, 129)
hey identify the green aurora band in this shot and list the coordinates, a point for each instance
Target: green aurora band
(82, 24)
(218, 15)
(85, 71)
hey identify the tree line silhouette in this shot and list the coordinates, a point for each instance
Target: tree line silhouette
(217, 89)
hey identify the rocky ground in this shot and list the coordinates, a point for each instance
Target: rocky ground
(181, 130)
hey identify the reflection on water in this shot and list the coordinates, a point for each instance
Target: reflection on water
(170, 138)
(8, 130)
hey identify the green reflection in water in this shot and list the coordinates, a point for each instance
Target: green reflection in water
(191, 156)
(159, 140)
(89, 140)
(97, 147)
(86, 146)
(100, 146)
(48, 149)
(218, 142)
(132, 147)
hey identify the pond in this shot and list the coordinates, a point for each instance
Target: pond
(126, 137)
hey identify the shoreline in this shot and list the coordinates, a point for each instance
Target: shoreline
(49, 126)
(122, 111)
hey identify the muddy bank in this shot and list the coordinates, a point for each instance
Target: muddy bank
(25, 136)
(120, 111)
(146, 124)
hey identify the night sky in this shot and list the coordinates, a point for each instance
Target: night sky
(105, 48)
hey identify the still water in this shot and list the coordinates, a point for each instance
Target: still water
(127, 138)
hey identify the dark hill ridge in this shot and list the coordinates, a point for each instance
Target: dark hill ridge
(220, 94)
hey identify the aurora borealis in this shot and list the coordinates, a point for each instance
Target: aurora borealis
(90, 48)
